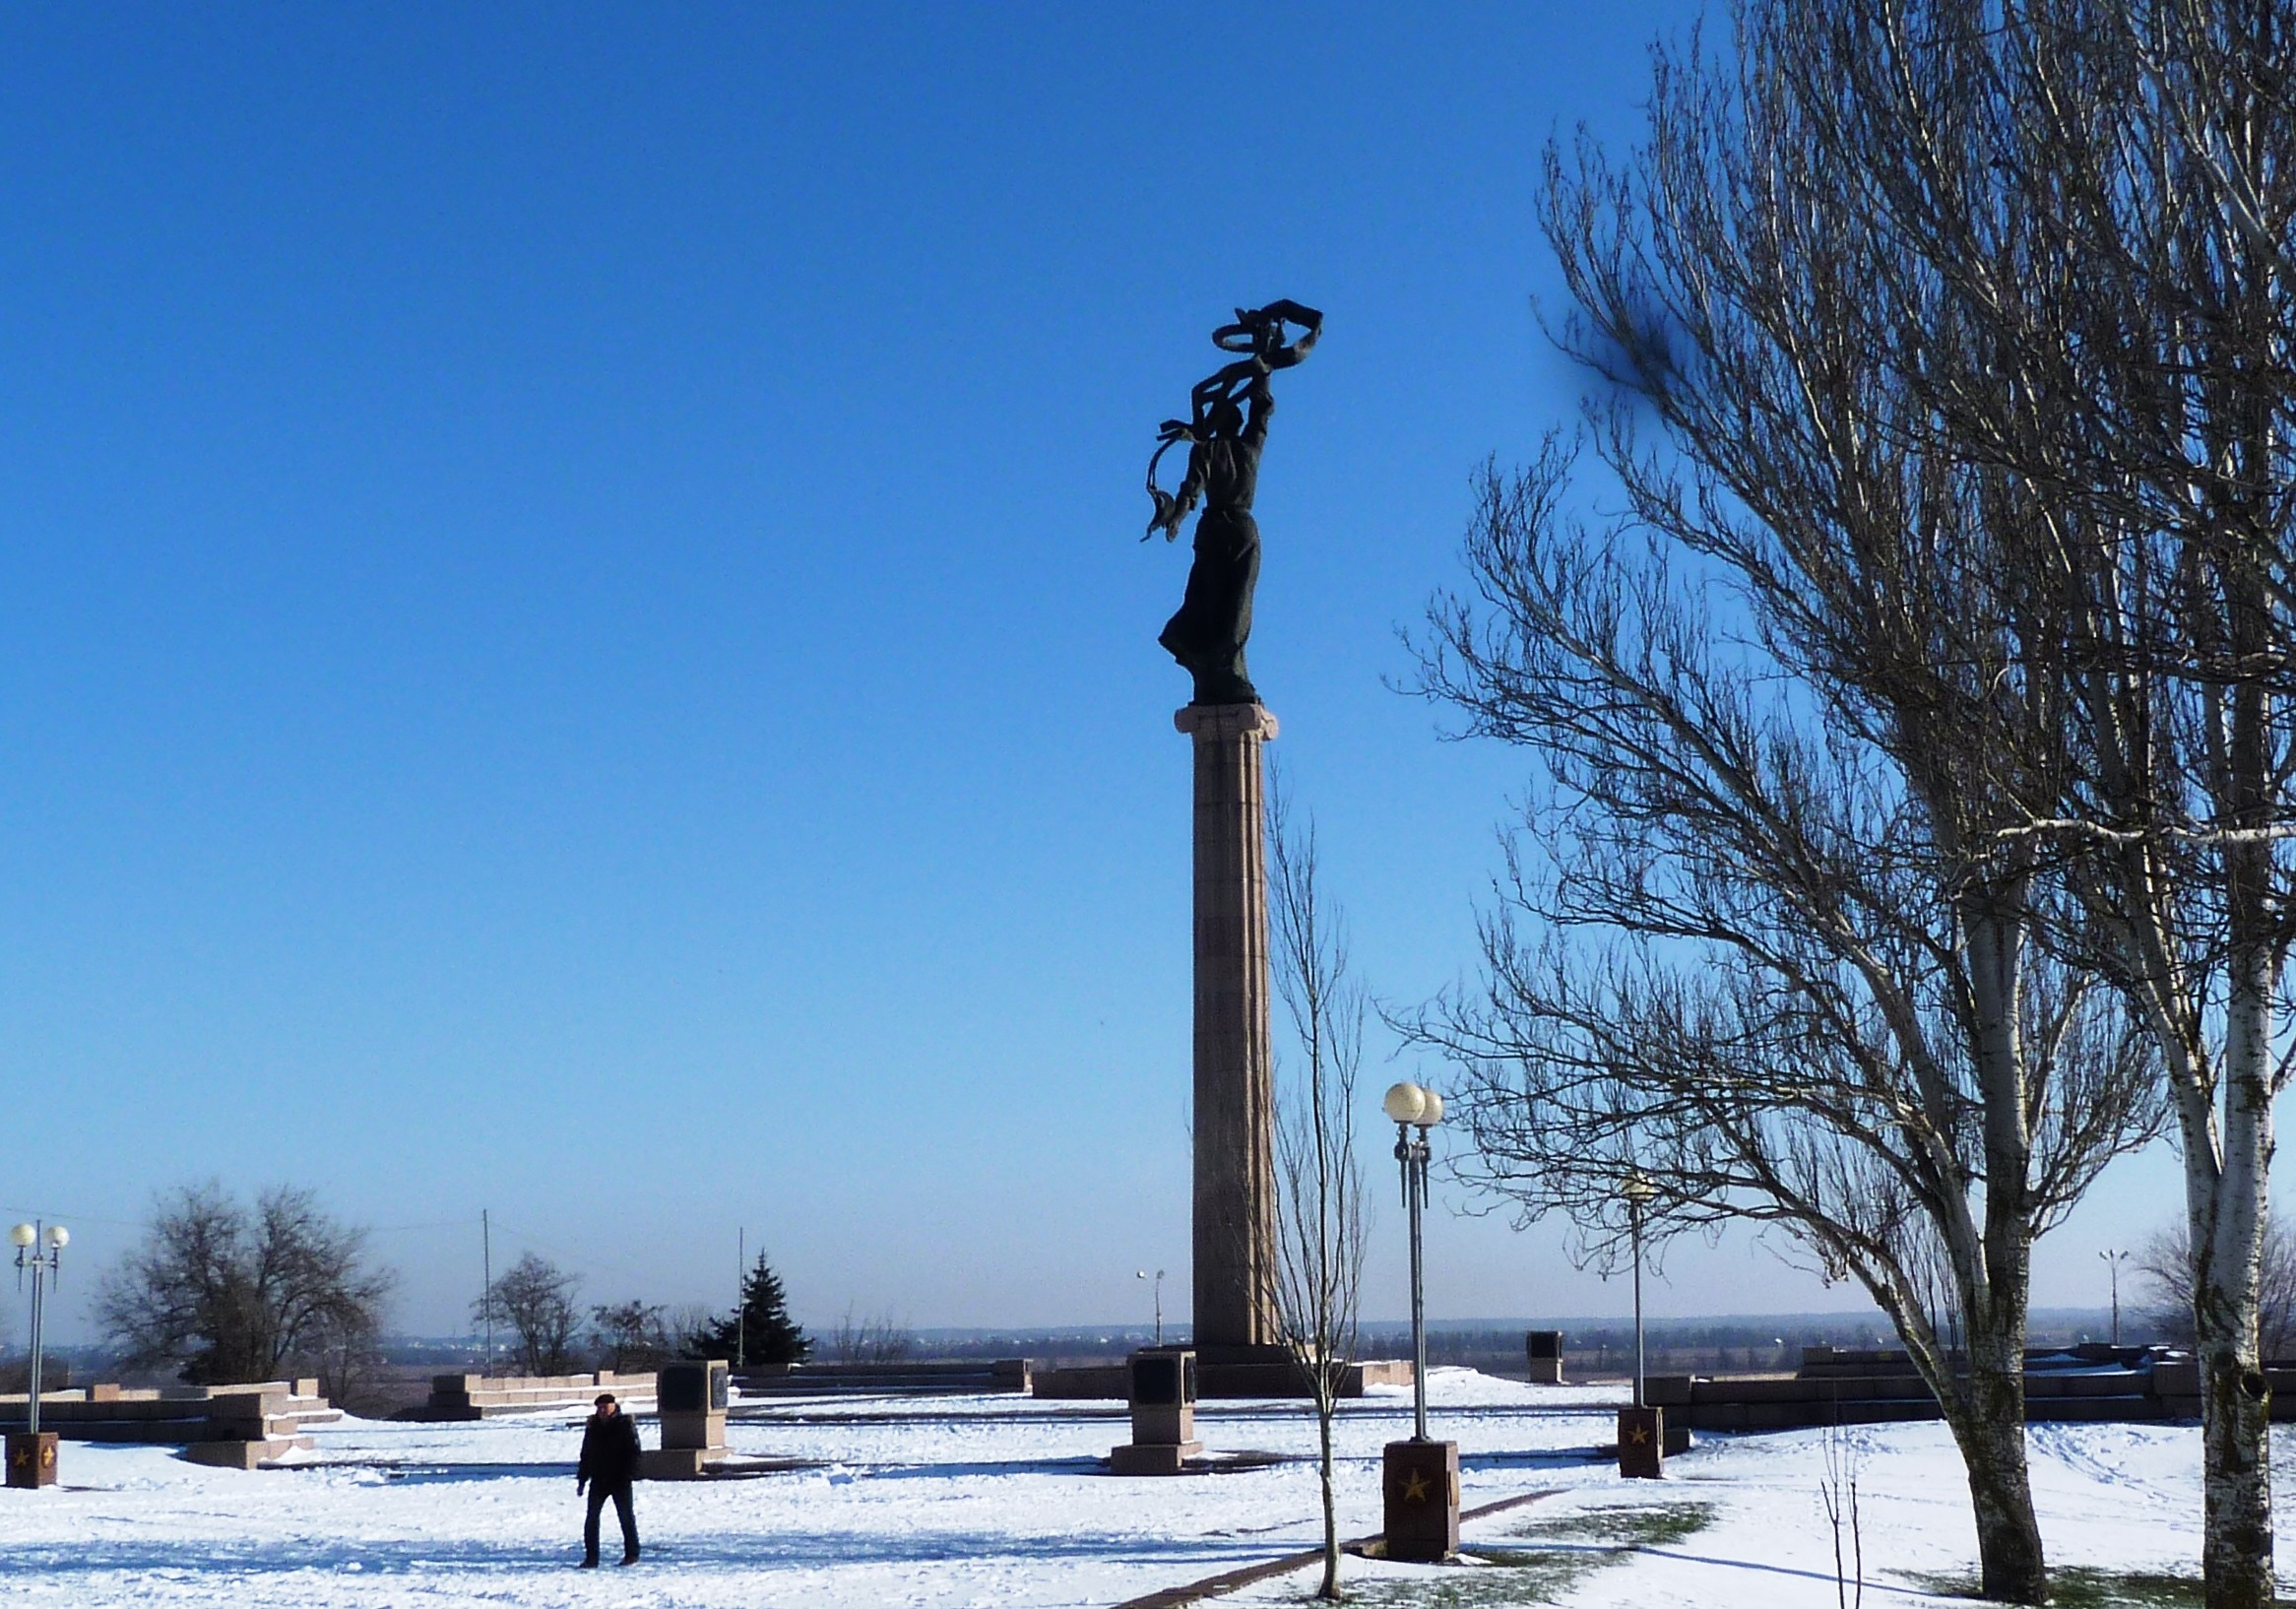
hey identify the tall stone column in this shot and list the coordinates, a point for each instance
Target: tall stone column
(1235, 1083)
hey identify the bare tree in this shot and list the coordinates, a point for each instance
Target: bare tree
(2164, 1263)
(1319, 1193)
(1787, 952)
(232, 1294)
(877, 1339)
(348, 1359)
(2106, 189)
(534, 1296)
(632, 1335)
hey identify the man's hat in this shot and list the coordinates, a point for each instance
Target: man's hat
(604, 1397)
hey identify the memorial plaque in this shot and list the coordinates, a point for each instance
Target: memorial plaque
(1156, 1382)
(683, 1387)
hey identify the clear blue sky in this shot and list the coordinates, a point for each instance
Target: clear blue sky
(575, 638)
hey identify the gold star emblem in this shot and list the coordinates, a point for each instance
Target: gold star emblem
(1639, 1436)
(1415, 1486)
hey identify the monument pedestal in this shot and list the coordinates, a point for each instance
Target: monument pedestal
(32, 1459)
(1154, 1457)
(691, 1398)
(1234, 1206)
(1421, 1486)
(1161, 1386)
(1642, 1442)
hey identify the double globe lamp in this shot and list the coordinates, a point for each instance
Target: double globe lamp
(1412, 1106)
(1420, 1477)
(40, 1250)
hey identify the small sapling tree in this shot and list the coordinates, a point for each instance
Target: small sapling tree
(1319, 1194)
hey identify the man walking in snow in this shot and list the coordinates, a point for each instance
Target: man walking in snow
(610, 1463)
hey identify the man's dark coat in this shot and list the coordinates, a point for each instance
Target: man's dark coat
(610, 1452)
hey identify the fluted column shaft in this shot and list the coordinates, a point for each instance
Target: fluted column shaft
(1235, 1084)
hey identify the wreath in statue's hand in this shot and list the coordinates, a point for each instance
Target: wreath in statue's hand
(1169, 513)
(1260, 331)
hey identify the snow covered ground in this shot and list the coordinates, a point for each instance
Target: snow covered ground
(999, 1501)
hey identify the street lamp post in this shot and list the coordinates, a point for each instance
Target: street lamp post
(1422, 1475)
(1642, 1427)
(39, 1248)
(1142, 1273)
(1410, 1107)
(1637, 1192)
(2113, 1262)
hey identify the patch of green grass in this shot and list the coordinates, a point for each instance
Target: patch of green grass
(1623, 1526)
(2077, 1587)
(1500, 1578)
(1542, 1580)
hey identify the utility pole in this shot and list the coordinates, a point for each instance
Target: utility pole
(486, 1295)
(740, 1298)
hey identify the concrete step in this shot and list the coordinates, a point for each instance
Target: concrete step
(246, 1455)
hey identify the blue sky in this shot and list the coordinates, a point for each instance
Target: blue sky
(576, 639)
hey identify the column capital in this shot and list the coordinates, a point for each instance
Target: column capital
(1214, 722)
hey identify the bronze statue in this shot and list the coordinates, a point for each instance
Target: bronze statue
(1226, 429)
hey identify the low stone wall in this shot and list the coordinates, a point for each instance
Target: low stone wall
(486, 1397)
(906, 1378)
(1838, 1386)
(1084, 1382)
(1216, 1379)
(232, 1426)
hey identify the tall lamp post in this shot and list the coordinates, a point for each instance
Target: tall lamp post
(1637, 1190)
(1421, 1482)
(39, 1248)
(1642, 1427)
(1142, 1273)
(2113, 1262)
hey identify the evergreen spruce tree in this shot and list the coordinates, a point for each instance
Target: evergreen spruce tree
(760, 1330)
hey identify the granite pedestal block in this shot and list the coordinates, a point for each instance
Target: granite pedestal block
(1642, 1442)
(1168, 1459)
(691, 1398)
(32, 1459)
(1161, 1386)
(1421, 1487)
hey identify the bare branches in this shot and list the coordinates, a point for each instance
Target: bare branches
(1321, 1217)
(880, 1338)
(534, 1296)
(233, 1294)
(1907, 663)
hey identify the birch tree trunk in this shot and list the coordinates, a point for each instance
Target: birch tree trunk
(2226, 1212)
(1990, 1431)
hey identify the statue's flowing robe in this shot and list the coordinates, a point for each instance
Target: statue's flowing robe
(1208, 633)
